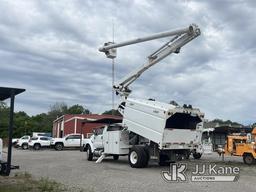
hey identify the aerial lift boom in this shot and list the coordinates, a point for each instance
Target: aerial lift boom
(181, 37)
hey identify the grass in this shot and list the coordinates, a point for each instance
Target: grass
(23, 182)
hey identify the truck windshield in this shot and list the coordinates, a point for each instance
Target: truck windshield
(182, 121)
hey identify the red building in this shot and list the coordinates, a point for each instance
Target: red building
(68, 124)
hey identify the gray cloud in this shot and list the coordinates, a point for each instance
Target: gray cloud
(50, 48)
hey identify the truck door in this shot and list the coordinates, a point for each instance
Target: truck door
(73, 141)
(69, 141)
(98, 138)
(76, 140)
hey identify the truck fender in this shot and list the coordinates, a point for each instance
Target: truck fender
(89, 144)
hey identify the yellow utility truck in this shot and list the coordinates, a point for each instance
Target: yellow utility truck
(242, 145)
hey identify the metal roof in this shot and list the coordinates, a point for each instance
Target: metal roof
(68, 117)
(227, 129)
(103, 120)
(6, 92)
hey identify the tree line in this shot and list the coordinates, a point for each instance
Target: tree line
(25, 124)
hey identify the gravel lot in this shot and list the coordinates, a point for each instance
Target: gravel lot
(71, 168)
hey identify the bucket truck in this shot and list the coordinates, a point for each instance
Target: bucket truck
(150, 129)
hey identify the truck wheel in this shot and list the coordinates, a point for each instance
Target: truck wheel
(37, 146)
(137, 157)
(115, 157)
(24, 146)
(58, 146)
(248, 159)
(197, 155)
(89, 154)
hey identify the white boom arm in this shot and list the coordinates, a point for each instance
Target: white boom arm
(182, 37)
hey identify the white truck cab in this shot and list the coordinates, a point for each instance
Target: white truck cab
(110, 139)
(207, 141)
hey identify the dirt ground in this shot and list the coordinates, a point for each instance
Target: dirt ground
(72, 169)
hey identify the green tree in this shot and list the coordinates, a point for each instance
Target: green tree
(25, 124)
(2, 105)
(20, 124)
(112, 112)
(41, 123)
(58, 109)
(78, 109)
(4, 116)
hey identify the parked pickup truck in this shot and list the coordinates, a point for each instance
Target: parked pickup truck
(71, 140)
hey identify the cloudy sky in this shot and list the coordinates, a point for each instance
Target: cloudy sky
(50, 48)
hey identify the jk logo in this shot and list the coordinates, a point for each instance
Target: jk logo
(176, 173)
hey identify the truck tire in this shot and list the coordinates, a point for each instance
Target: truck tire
(24, 146)
(197, 155)
(37, 146)
(58, 146)
(89, 154)
(115, 157)
(248, 159)
(137, 157)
